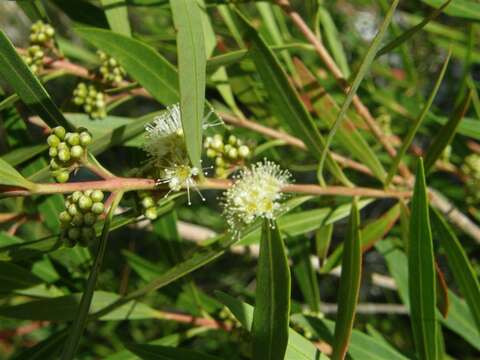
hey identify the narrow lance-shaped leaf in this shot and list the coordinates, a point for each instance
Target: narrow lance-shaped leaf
(192, 62)
(16, 72)
(418, 121)
(362, 71)
(412, 31)
(116, 12)
(421, 273)
(447, 132)
(141, 62)
(11, 177)
(272, 297)
(458, 262)
(80, 321)
(284, 97)
(349, 286)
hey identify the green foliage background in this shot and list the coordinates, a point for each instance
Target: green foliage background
(404, 230)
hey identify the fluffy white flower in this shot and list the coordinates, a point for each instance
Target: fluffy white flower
(165, 135)
(256, 193)
(181, 176)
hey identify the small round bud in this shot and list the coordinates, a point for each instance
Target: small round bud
(89, 218)
(85, 202)
(217, 144)
(85, 139)
(88, 233)
(53, 140)
(62, 145)
(232, 153)
(53, 151)
(211, 153)
(54, 165)
(96, 196)
(76, 151)
(151, 213)
(64, 155)
(232, 139)
(97, 208)
(147, 202)
(72, 209)
(219, 161)
(243, 151)
(62, 177)
(76, 196)
(73, 139)
(88, 192)
(77, 220)
(60, 132)
(73, 233)
(65, 217)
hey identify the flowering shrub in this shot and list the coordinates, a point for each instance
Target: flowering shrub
(193, 179)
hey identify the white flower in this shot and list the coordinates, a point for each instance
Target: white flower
(164, 136)
(256, 193)
(181, 176)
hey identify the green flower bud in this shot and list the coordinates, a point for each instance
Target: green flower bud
(73, 139)
(243, 151)
(60, 132)
(77, 219)
(73, 233)
(88, 192)
(232, 153)
(53, 140)
(76, 196)
(76, 151)
(72, 209)
(85, 139)
(64, 155)
(88, 233)
(97, 196)
(85, 203)
(62, 177)
(53, 151)
(211, 153)
(62, 145)
(151, 213)
(219, 161)
(65, 217)
(89, 218)
(147, 202)
(97, 208)
(54, 165)
(232, 139)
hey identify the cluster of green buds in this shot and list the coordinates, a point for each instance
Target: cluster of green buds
(471, 168)
(110, 70)
(66, 149)
(149, 205)
(41, 33)
(34, 58)
(91, 99)
(82, 211)
(227, 154)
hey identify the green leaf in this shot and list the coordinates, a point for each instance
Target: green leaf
(299, 252)
(421, 272)
(272, 297)
(361, 346)
(14, 277)
(82, 12)
(373, 232)
(116, 12)
(446, 133)
(44, 350)
(468, 9)
(349, 285)
(63, 308)
(24, 153)
(158, 352)
(361, 72)
(412, 31)
(459, 318)
(11, 177)
(284, 97)
(348, 135)
(80, 320)
(33, 9)
(462, 269)
(191, 71)
(298, 347)
(14, 70)
(140, 61)
(413, 128)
